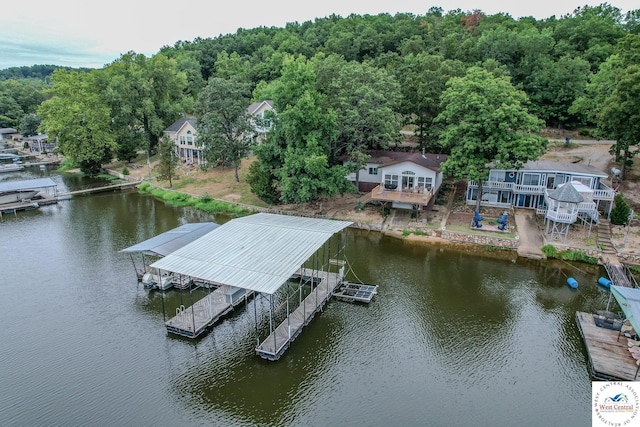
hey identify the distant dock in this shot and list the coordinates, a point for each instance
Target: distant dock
(114, 187)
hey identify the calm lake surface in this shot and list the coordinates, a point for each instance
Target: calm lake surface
(452, 338)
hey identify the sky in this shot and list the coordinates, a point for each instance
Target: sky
(78, 33)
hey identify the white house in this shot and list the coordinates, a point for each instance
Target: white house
(406, 180)
(261, 123)
(183, 133)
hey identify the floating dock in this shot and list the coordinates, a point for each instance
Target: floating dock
(355, 292)
(281, 338)
(192, 321)
(609, 356)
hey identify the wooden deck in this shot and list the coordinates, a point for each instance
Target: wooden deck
(620, 275)
(192, 321)
(415, 198)
(114, 187)
(281, 338)
(609, 358)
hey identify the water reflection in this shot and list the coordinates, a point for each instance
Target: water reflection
(453, 338)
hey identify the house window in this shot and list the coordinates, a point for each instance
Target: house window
(530, 179)
(425, 182)
(373, 171)
(189, 138)
(582, 180)
(182, 140)
(391, 182)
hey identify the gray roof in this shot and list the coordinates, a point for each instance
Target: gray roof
(175, 126)
(8, 130)
(259, 252)
(576, 168)
(566, 193)
(172, 240)
(253, 107)
(26, 184)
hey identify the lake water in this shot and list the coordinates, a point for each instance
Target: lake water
(453, 338)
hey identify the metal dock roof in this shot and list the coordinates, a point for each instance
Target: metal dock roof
(26, 184)
(258, 252)
(172, 240)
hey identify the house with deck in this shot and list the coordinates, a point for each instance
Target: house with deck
(183, 132)
(584, 196)
(404, 180)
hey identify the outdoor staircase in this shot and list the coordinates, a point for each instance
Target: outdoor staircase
(604, 237)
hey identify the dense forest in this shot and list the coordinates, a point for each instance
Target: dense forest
(342, 85)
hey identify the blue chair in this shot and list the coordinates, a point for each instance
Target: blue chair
(502, 219)
(477, 216)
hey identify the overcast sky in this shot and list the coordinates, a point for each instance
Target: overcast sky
(80, 33)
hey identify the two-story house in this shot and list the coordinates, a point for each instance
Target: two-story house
(534, 185)
(183, 132)
(405, 180)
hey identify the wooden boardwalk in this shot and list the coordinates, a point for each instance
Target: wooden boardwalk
(619, 275)
(192, 321)
(280, 339)
(609, 357)
(113, 187)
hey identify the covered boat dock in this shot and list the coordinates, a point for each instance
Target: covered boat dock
(288, 262)
(26, 194)
(164, 244)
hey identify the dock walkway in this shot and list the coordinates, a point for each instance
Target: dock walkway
(619, 275)
(192, 321)
(280, 339)
(609, 357)
(113, 187)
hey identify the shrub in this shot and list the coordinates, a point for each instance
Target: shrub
(405, 233)
(578, 255)
(621, 210)
(550, 251)
(125, 170)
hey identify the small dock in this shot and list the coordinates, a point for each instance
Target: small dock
(609, 357)
(114, 187)
(620, 275)
(192, 321)
(274, 346)
(355, 292)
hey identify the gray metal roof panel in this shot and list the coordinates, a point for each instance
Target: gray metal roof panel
(172, 240)
(26, 184)
(258, 252)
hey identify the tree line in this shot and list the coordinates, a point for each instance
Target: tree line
(341, 86)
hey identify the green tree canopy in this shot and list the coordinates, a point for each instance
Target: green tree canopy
(297, 150)
(486, 124)
(145, 95)
(78, 116)
(224, 125)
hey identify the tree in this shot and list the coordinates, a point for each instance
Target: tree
(621, 210)
(78, 116)
(612, 100)
(166, 167)
(297, 150)
(145, 96)
(29, 124)
(485, 122)
(423, 79)
(224, 126)
(365, 100)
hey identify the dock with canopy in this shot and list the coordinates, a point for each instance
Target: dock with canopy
(292, 263)
(164, 244)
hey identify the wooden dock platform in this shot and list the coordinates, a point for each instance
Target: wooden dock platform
(281, 338)
(355, 292)
(114, 187)
(609, 357)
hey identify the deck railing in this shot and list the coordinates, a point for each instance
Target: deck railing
(414, 196)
